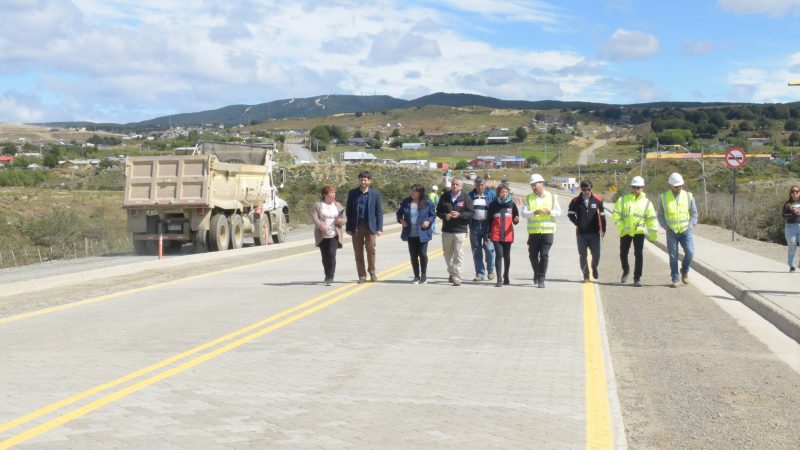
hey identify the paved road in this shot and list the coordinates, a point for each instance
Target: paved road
(262, 356)
(300, 152)
(587, 154)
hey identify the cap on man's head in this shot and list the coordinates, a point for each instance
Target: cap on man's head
(536, 178)
(637, 181)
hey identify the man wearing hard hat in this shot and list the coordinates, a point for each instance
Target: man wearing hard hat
(677, 214)
(541, 209)
(635, 219)
(433, 197)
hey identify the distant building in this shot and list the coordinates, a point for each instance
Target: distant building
(497, 140)
(358, 141)
(758, 142)
(482, 163)
(357, 157)
(512, 161)
(34, 166)
(564, 182)
(6, 160)
(414, 162)
(413, 145)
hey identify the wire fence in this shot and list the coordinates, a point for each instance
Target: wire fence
(15, 257)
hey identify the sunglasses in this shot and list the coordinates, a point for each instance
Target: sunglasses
(795, 191)
(586, 189)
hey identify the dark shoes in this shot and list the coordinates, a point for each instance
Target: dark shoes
(423, 280)
(362, 280)
(372, 277)
(595, 275)
(624, 278)
(791, 269)
(328, 281)
(415, 280)
(540, 285)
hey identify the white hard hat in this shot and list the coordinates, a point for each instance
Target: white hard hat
(435, 187)
(675, 179)
(637, 181)
(536, 178)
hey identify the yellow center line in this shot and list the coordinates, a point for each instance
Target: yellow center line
(338, 295)
(102, 298)
(598, 417)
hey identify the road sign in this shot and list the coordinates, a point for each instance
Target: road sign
(735, 157)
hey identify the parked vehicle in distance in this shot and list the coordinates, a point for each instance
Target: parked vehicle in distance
(215, 197)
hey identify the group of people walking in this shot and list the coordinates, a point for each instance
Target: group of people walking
(488, 217)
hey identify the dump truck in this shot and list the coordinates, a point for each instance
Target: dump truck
(214, 198)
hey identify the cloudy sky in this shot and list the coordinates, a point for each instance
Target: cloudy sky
(123, 61)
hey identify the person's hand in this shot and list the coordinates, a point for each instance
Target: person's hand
(324, 228)
(518, 201)
(455, 214)
(426, 224)
(602, 234)
(403, 223)
(546, 211)
(379, 233)
(537, 212)
(516, 220)
(349, 233)
(337, 221)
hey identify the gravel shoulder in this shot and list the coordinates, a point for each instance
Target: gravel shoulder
(688, 375)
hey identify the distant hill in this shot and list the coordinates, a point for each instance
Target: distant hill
(338, 104)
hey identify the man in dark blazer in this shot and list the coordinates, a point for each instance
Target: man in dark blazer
(455, 209)
(366, 225)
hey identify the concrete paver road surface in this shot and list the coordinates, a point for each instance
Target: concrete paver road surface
(264, 356)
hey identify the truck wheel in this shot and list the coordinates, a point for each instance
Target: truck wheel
(260, 229)
(281, 229)
(140, 247)
(201, 244)
(151, 247)
(219, 234)
(237, 230)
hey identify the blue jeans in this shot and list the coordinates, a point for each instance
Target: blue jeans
(792, 231)
(686, 241)
(482, 248)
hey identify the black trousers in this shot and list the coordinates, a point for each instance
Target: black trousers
(419, 256)
(539, 253)
(591, 242)
(328, 248)
(638, 247)
(502, 252)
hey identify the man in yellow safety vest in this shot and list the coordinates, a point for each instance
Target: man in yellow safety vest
(677, 214)
(541, 209)
(635, 219)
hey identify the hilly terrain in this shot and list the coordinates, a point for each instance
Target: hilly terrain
(337, 104)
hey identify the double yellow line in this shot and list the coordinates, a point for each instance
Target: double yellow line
(236, 338)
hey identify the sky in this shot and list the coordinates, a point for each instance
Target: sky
(125, 61)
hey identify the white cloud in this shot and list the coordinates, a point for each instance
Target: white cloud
(631, 44)
(632, 90)
(772, 8)
(695, 48)
(115, 60)
(766, 84)
(532, 11)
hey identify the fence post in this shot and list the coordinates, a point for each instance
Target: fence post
(1, 259)
(86, 246)
(13, 257)
(40, 255)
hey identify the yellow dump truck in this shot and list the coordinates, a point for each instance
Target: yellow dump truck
(216, 197)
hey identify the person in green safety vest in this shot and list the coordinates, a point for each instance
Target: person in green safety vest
(433, 196)
(541, 209)
(635, 219)
(677, 214)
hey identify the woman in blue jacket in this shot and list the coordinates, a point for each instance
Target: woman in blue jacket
(416, 214)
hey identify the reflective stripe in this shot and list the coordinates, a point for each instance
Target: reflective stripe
(542, 223)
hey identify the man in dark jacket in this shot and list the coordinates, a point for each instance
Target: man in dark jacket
(586, 211)
(456, 210)
(366, 224)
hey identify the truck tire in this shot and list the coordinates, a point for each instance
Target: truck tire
(201, 244)
(151, 247)
(219, 234)
(280, 229)
(140, 247)
(237, 230)
(260, 230)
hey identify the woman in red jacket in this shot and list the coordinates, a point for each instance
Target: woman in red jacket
(503, 215)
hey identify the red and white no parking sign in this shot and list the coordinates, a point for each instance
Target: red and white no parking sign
(735, 157)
